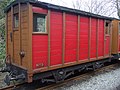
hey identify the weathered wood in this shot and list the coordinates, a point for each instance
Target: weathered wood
(63, 40)
(89, 39)
(104, 37)
(30, 29)
(15, 9)
(110, 47)
(20, 62)
(48, 38)
(97, 38)
(12, 46)
(29, 49)
(115, 37)
(78, 38)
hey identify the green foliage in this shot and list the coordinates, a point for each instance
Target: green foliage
(3, 4)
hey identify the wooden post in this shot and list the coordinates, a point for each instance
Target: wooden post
(110, 38)
(20, 62)
(12, 33)
(48, 38)
(117, 35)
(30, 30)
(97, 38)
(78, 47)
(89, 39)
(104, 38)
(63, 41)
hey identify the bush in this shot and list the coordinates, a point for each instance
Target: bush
(3, 4)
(2, 51)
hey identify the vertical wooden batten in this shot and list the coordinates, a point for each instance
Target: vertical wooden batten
(30, 29)
(63, 40)
(104, 38)
(20, 62)
(97, 38)
(12, 33)
(110, 47)
(78, 38)
(89, 39)
(117, 36)
(49, 38)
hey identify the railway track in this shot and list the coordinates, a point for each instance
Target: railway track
(81, 77)
(56, 85)
(11, 87)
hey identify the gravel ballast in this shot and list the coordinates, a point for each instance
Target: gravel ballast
(107, 80)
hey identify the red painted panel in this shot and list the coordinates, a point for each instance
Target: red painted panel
(56, 38)
(39, 50)
(71, 38)
(39, 10)
(84, 28)
(40, 42)
(101, 38)
(93, 38)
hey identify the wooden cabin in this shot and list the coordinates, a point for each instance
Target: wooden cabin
(115, 38)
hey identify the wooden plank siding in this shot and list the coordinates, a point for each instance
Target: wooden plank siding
(89, 39)
(115, 37)
(24, 34)
(97, 38)
(49, 40)
(12, 51)
(110, 47)
(16, 38)
(19, 35)
(8, 43)
(29, 52)
(78, 39)
(63, 42)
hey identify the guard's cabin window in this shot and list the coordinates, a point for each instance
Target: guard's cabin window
(107, 28)
(16, 17)
(39, 23)
(16, 20)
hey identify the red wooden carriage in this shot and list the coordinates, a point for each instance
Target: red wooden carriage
(45, 39)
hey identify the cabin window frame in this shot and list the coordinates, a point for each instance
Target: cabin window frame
(16, 20)
(15, 13)
(35, 16)
(107, 28)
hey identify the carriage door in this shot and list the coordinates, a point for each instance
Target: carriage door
(16, 36)
(107, 38)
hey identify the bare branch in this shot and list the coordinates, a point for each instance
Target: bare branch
(102, 7)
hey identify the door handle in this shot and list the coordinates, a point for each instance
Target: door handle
(11, 36)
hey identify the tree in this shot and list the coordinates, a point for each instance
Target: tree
(101, 7)
(3, 4)
(77, 4)
(116, 5)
